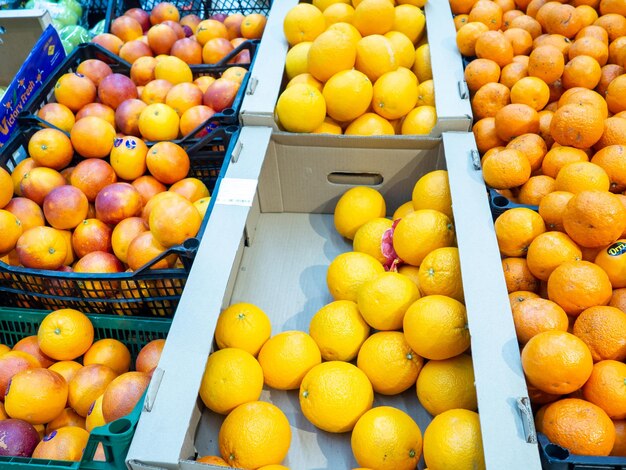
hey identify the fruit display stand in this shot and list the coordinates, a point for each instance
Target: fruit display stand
(272, 236)
(143, 292)
(451, 96)
(116, 436)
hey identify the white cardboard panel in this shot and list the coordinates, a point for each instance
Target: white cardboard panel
(495, 351)
(164, 434)
(453, 107)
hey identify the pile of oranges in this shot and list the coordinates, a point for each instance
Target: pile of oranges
(397, 322)
(548, 92)
(357, 68)
(162, 31)
(65, 384)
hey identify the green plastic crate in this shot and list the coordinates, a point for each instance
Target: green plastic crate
(134, 332)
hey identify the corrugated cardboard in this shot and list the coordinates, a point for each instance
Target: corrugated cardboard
(274, 252)
(451, 96)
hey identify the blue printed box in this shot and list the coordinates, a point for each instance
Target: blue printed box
(45, 57)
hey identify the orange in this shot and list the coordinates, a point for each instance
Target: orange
(516, 229)
(375, 56)
(213, 460)
(232, 376)
(556, 362)
(173, 69)
(461, 6)
(453, 440)
(614, 24)
(547, 63)
(149, 355)
(579, 426)
(618, 299)
(58, 115)
(368, 238)
(128, 157)
(333, 42)
(432, 191)
(384, 299)
(440, 273)
(183, 96)
(65, 334)
(7, 184)
(65, 443)
(155, 91)
(534, 316)
(303, 22)
(373, 17)
(386, 438)
(36, 395)
(420, 120)
(124, 233)
(467, 36)
(92, 137)
(531, 91)
(615, 94)
(528, 23)
(480, 72)
(578, 285)
(535, 189)
(612, 260)
(447, 384)
(577, 126)
(582, 71)
(109, 352)
(168, 162)
(122, 395)
(389, 362)
(394, 94)
(486, 136)
(158, 122)
(420, 232)
(611, 159)
(495, 46)
(340, 12)
(99, 110)
(614, 133)
(517, 276)
(191, 189)
(66, 368)
(557, 157)
(348, 94)
(173, 220)
(435, 327)
(594, 218)
(548, 251)
(286, 358)
(42, 248)
(339, 330)
(11, 363)
(89, 383)
(356, 207)
(30, 346)
(489, 99)
(605, 388)
(582, 96)
(334, 395)
(74, 91)
(68, 417)
(253, 25)
(11, 230)
(619, 448)
(512, 73)
(209, 29)
(582, 176)
(602, 329)
(410, 21)
(591, 47)
(520, 39)
(506, 169)
(301, 108)
(50, 148)
(243, 325)
(253, 435)
(514, 120)
(520, 296)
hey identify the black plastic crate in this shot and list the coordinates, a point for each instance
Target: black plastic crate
(500, 204)
(142, 292)
(203, 9)
(116, 436)
(555, 457)
(87, 51)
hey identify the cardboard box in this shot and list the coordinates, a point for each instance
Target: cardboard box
(271, 241)
(28, 56)
(454, 110)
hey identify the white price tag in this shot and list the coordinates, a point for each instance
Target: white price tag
(236, 192)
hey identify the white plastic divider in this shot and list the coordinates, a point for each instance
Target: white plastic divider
(162, 436)
(454, 112)
(508, 430)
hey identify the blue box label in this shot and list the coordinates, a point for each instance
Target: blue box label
(45, 57)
